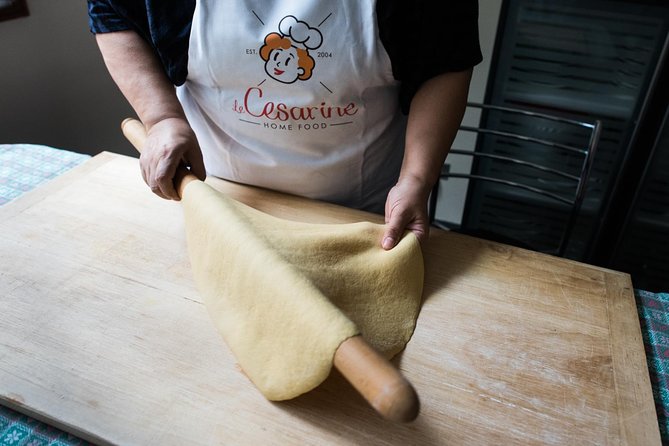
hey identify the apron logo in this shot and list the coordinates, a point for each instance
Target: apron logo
(287, 59)
(286, 54)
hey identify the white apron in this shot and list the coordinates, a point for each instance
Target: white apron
(295, 96)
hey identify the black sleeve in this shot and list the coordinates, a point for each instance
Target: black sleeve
(164, 24)
(425, 38)
(103, 18)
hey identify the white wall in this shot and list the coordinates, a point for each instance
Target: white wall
(54, 88)
(489, 11)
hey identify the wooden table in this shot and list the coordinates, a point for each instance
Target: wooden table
(103, 333)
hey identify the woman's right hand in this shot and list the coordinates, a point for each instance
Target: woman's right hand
(139, 74)
(170, 142)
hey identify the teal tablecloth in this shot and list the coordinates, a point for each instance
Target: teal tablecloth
(654, 317)
(20, 430)
(24, 166)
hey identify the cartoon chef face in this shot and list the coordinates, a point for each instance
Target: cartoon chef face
(286, 55)
(283, 65)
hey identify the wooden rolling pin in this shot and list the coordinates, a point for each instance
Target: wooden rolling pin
(372, 375)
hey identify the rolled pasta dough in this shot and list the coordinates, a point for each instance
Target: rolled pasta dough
(284, 294)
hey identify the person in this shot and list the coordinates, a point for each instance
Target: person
(348, 101)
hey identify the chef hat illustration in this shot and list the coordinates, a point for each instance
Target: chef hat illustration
(302, 35)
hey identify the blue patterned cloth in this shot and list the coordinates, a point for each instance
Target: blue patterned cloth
(24, 166)
(20, 430)
(654, 317)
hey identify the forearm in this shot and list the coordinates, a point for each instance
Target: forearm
(139, 75)
(434, 118)
(170, 140)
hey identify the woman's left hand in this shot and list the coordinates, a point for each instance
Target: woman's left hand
(434, 117)
(406, 209)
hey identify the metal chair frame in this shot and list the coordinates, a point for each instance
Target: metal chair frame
(581, 181)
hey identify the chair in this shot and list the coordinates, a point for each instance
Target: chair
(524, 178)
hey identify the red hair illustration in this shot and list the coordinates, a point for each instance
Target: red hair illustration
(275, 41)
(286, 54)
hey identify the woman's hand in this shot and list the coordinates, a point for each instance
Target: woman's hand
(170, 142)
(435, 115)
(406, 209)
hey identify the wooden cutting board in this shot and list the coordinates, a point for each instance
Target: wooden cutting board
(103, 333)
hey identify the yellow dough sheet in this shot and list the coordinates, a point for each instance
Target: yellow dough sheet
(284, 294)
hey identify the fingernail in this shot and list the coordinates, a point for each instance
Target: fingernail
(388, 242)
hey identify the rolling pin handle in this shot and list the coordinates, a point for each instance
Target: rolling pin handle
(135, 132)
(377, 380)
